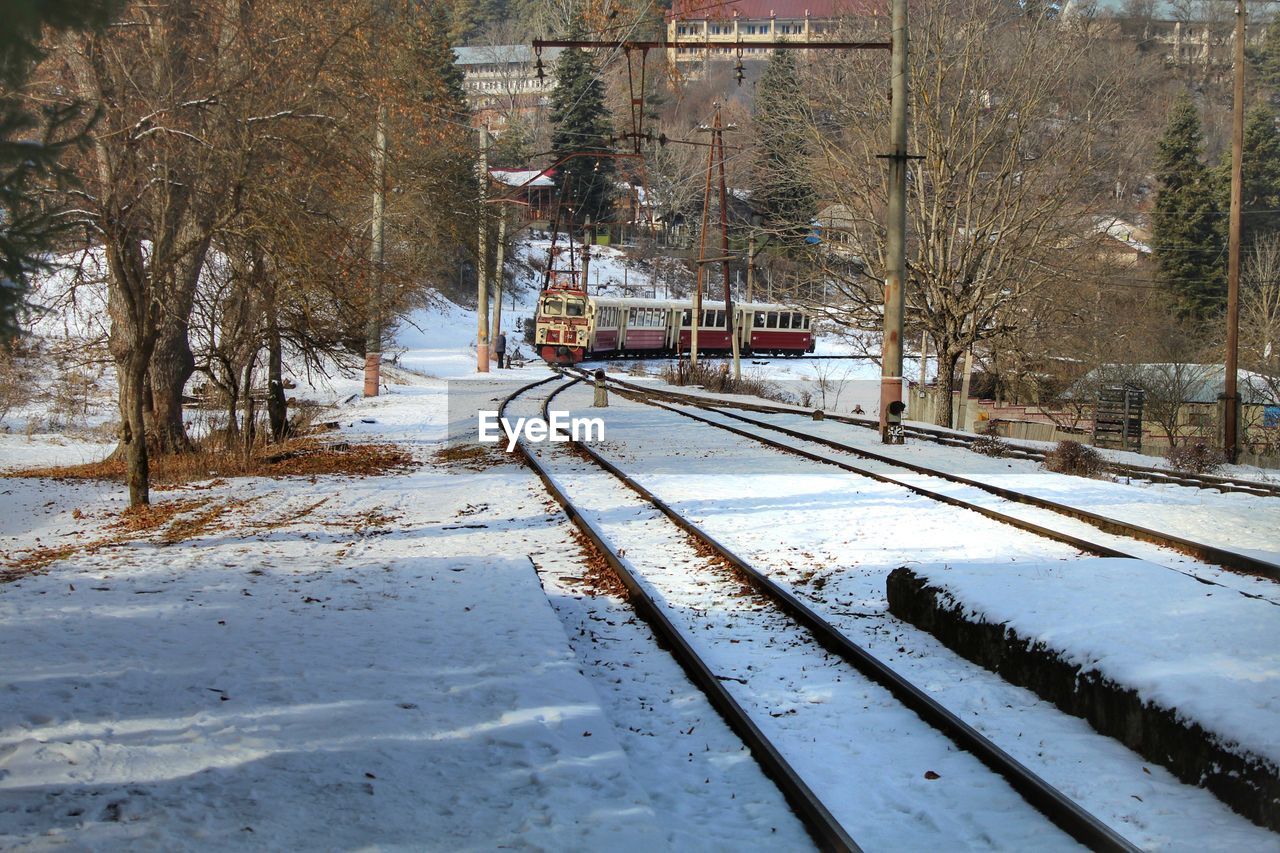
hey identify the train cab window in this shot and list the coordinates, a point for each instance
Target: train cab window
(773, 320)
(553, 306)
(575, 308)
(784, 320)
(804, 321)
(719, 320)
(759, 320)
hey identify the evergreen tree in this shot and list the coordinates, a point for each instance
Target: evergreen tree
(32, 142)
(582, 123)
(781, 191)
(1266, 60)
(1189, 249)
(514, 148)
(1260, 168)
(427, 68)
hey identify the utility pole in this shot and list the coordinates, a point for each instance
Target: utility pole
(896, 241)
(1230, 393)
(373, 331)
(588, 237)
(482, 263)
(702, 254)
(717, 139)
(498, 277)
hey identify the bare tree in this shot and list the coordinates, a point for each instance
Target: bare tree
(1260, 306)
(1020, 128)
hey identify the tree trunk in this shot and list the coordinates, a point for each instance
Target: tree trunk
(171, 366)
(130, 342)
(232, 390)
(277, 404)
(249, 415)
(172, 363)
(947, 360)
(133, 429)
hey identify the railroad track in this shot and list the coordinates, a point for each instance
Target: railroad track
(670, 530)
(1209, 553)
(1016, 451)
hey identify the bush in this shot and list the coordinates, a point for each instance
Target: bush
(716, 378)
(1072, 457)
(1197, 458)
(990, 444)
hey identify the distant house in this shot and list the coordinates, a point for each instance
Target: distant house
(732, 29)
(1120, 241)
(1183, 401)
(502, 81)
(836, 229)
(534, 190)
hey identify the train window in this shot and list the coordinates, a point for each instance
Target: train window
(720, 319)
(784, 319)
(759, 321)
(804, 321)
(575, 308)
(631, 317)
(773, 320)
(687, 318)
(553, 306)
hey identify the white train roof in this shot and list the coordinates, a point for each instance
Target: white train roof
(680, 304)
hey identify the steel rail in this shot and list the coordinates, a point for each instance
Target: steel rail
(1064, 812)
(818, 820)
(1209, 553)
(939, 436)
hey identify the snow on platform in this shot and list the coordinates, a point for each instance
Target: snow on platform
(338, 663)
(1180, 643)
(1178, 669)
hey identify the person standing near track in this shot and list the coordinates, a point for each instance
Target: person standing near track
(500, 347)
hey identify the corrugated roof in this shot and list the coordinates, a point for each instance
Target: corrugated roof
(521, 178)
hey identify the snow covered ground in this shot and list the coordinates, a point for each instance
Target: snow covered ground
(337, 663)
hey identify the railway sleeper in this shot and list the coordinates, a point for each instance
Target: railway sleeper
(1245, 782)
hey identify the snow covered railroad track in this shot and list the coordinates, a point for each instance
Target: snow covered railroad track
(809, 720)
(1112, 543)
(953, 438)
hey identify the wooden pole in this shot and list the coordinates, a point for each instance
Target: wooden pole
(482, 263)
(718, 140)
(702, 254)
(373, 331)
(896, 240)
(498, 277)
(1230, 393)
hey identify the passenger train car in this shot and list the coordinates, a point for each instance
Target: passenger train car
(572, 326)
